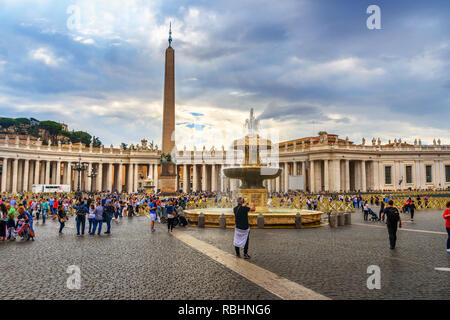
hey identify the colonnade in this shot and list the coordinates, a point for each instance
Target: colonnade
(18, 175)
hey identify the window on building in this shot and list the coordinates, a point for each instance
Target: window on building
(447, 173)
(408, 174)
(387, 175)
(428, 173)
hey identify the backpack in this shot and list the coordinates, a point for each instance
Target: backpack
(81, 212)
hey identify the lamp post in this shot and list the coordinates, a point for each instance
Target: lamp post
(93, 173)
(79, 167)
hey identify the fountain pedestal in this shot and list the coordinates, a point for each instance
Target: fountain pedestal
(256, 197)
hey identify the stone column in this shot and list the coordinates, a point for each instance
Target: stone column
(119, 177)
(286, 177)
(20, 176)
(58, 172)
(312, 185)
(130, 178)
(194, 178)
(337, 175)
(4, 174)
(36, 172)
(363, 176)
(26, 173)
(305, 180)
(155, 177)
(213, 178)
(347, 175)
(15, 175)
(135, 178)
(326, 174)
(88, 179)
(277, 183)
(47, 171)
(375, 175)
(100, 177)
(294, 168)
(109, 177)
(185, 178)
(204, 177)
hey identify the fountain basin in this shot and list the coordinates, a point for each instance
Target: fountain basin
(252, 177)
(273, 218)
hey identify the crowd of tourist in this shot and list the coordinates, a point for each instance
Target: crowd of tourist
(92, 210)
(18, 213)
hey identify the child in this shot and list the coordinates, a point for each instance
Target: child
(11, 224)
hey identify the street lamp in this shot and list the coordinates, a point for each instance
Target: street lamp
(79, 167)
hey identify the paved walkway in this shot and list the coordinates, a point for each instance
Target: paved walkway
(191, 263)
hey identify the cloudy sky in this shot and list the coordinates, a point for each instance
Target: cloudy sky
(303, 65)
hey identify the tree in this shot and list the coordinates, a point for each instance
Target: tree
(53, 128)
(124, 146)
(7, 122)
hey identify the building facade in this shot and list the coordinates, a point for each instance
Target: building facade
(326, 162)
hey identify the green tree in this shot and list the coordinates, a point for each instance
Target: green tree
(7, 122)
(53, 128)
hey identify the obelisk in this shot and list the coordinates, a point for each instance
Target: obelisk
(168, 176)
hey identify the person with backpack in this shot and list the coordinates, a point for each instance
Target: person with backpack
(62, 218)
(108, 214)
(393, 220)
(80, 217)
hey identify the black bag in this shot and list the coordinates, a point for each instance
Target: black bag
(183, 221)
(175, 221)
(81, 212)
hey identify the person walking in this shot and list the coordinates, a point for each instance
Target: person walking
(152, 208)
(366, 211)
(382, 204)
(98, 221)
(170, 211)
(412, 209)
(45, 208)
(108, 213)
(393, 220)
(62, 218)
(242, 228)
(446, 216)
(80, 218)
(3, 218)
(91, 217)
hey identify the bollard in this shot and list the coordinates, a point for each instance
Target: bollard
(348, 218)
(332, 220)
(298, 221)
(260, 221)
(222, 221)
(340, 219)
(201, 220)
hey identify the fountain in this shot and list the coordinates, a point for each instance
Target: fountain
(252, 173)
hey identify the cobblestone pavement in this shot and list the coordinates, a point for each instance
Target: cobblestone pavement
(133, 263)
(334, 262)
